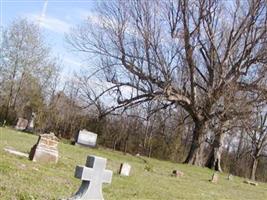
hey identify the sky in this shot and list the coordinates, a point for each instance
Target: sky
(60, 16)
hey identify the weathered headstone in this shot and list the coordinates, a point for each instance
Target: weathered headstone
(230, 177)
(22, 124)
(45, 150)
(93, 175)
(215, 178)
(31, 123)
(15, 152)
(125, 169)
(177, 173)
(250, 182)
(4, 123)
(86, 138)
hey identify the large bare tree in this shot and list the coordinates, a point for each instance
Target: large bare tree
(200, 55)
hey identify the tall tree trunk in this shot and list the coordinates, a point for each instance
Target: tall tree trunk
(214, 158)
(12, 77)
(18, 90)
(196, 153)
(254, 168)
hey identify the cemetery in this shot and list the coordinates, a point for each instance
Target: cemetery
(27, 180)
(133, 100)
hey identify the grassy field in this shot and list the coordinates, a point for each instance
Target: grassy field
(25, 180)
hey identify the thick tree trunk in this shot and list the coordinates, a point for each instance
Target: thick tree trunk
(196, 153)
(254, 169)
(214, 158)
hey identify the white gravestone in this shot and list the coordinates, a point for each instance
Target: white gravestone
(21, 124)
(87, 138)
(93, 175)
(125, 169)
(31, 123)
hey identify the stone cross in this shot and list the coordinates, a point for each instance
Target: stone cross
(93, 175)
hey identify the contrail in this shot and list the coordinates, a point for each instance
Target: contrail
(43, 12)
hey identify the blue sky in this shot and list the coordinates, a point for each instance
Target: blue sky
(59, 17)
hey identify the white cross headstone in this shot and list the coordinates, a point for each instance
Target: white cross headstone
(93, 175)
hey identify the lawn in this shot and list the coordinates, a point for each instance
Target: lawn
(22, 179)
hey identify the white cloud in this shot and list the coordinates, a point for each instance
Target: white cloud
(56, 25)
(51, 23)
(71, 62)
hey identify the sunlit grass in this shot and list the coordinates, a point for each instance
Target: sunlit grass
(22, 179)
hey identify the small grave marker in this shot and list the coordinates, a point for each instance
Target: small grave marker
(177, 173)
(22, 124)
(230, 177)
(215, 178)
(93, 175)
(15, 152)
(251, 182)
(125, 169)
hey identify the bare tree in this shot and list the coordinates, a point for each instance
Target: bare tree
(193, 54)
(25, 61)
(257, 132)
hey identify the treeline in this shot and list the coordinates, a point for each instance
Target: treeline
(156, 94)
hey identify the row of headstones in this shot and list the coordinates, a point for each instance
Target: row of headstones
(25, 124)
(84, 137)
(93, 174)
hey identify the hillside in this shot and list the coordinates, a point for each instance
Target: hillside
(22, 179)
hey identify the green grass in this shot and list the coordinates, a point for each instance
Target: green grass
(25, 180)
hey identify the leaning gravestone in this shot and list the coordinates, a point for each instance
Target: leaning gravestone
(86, 138)
(22, 124)
(93, 175)
(45, 150)
(125, 169)
(215, 177)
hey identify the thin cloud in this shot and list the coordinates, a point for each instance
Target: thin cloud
(71, 62)
(51, 23)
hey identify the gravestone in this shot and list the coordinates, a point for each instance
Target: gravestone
(45, 150)
(250, 182)
(125, 169)
(177, 173)
(31, 123)
(215, 178)
(230, 177)
(21, 124)
(15, 152)
(93, 175)
(86, 138)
